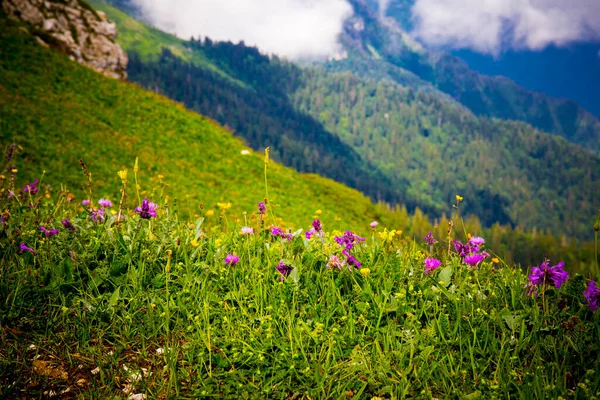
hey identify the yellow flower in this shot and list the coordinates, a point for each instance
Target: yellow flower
(14, 170)
(318, 212)
(194, 243)
(210, 213)
(224, 206)
(495, 260)
(469, 236)
(459, 198)
(161, 176)
(218, 242)
(365, 271)
(123, 175)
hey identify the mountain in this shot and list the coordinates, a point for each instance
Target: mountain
(58, 112)
(369, 35)
(426, 144)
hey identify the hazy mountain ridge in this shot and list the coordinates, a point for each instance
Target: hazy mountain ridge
(369, 35)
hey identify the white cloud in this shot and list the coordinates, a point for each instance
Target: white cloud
(289, 28)
(491, 26)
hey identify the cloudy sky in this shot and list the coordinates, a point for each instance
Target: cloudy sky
(309, 28)
(289, 28)
(494, 26)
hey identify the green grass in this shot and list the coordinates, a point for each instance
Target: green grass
(149, 307)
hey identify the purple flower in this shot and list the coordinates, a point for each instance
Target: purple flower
(284, 269)
(476, 241)
(335, 262)
(310, 233)
(592, 295)
(85, 202)
(32, 188)
(373, 224)
(348, 240)
(474, 259)
(543, 274)
(49, 232)
(105, 203)
(147, 210)
(67, 224)
(262, 208)
(231, 259)
(351, 259)
(317, 225)
(23, 247)
(246, 230)
(98, 215)
(431, 264)
(276, 231)
(429, 239)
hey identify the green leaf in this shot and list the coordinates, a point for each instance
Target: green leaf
(445, 276)
(114, 298)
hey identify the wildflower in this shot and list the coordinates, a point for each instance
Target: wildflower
(105, 203)
(210, 213)
(48, 232)
(495, 260)
(232, 259)
(459, 198)
(276, 231)
(476, 241)
(147, 210)
(284, 269)
(32, 188)
(592, 295)
(317, 225)
(431, 264)
(365, 272)
(544, 273)
(429, 239)
(348, 240)
(351, 259)
(224, 206)
(85, 202)
(335, 262)
(23, 247)
(310, 233)
(474, 259)
(246, 230)
(262, 208)
(98, 215)
(319, 212)
(67, 224)
(373, 224)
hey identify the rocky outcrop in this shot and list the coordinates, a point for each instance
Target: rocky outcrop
(84, 34)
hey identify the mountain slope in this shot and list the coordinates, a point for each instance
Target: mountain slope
(417, 139)
(59, 111)
(249, 94)
(366, 34)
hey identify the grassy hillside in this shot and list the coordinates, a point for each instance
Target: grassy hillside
(164, 308)
(59, 112)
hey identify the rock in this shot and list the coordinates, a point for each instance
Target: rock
(85, 35)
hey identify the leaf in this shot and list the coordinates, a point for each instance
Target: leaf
(512, 321)
(114, 298)
(445, 276)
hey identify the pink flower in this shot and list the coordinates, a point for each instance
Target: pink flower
(431, 264)
(373, 224)
(232, 259)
